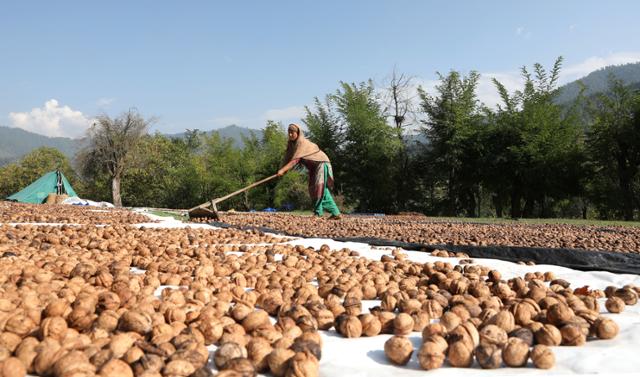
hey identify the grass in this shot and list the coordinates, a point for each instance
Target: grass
(175, 215)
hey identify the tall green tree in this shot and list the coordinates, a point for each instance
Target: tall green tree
(614, 150)
(535, 147)
(452, 127)
(370, 148)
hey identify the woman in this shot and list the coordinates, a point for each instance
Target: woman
(302, 151)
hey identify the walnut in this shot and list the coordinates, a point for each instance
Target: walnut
(135, 321)
(226, 352)
(398, 349)
(255, 320)
(628, 295)
(57, 308)
(349, 326)
(523, 333)
(371, 325)
(467, 333)
(73, 363)
(559, 314)
(542, 357)
(12, 367)
(181, 368)
(489, 355)
(614, 304)
(302, 345)
(606, 328)
(258, 350)
(433, 308)
(278, 361)
(431, 356)
(515, 353)
(548, 335)
(403, 324)
(242, 366)
(116, 368)
(48, 352)
(10, 341)
(386, 322)
(107, 320)
(572, 335)
(492, 334)
(26, 352)
(420, 320)
(20, 325)
(325, 319)
(121, 343)
(433, 329)
(352, 306)
(54, 327)
(503, 319)
(460, 354)
(240, 311)
(450, 321)
(303, 364)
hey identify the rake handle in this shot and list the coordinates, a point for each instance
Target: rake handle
(215, 201)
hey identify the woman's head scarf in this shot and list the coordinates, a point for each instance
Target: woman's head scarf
(303, 148)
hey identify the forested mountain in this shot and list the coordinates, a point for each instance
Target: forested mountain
(16, 142)
(233, 132)
(598, 81)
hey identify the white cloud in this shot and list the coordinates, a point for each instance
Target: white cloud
(52, 120)
(519, 30)
(285, 114)
(105, 102)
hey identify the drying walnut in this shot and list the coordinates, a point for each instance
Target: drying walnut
(180, 368)
(628, 295)
(433, 308)
(54, 327)
(489, 355)
(492, 334)
(572, 335)
(420, 320)
(116, 368)
(559, 314)
(503, 319)
(278, 361)
(398, 349)
(242, 366)
(228, 351)
(548, 335)
(258, 350)
(450, 321)
(606, 328)
(255, 320)
(467, 333)
(325, 319)
(303, 364)
(73, 363)
(349, 326)
(515, 353)
(460, 355)
(433, 329)
(431, 356)
(371, 325)
(135, 321)
(386, 321)
(614, 304)
(12, 367)
(403, 324)
(542, 357)
(523, 333)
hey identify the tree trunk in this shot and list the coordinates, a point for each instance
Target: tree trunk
(515, 203)
(115, 190)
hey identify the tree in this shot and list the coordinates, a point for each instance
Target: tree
(535, 148)
(613, 141)
(452, 128)
(369, 148)
(18, 175)
(111, 142)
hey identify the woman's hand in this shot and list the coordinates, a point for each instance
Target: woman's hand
(281, 172)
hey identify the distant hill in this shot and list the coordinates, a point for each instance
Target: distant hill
(16, 142)
(233, 132)
(598, 81)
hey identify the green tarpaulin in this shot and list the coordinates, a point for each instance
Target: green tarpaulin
(53, 182)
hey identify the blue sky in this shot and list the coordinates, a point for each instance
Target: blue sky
(206, 64)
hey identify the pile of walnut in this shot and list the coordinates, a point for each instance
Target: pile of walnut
(11, 212)
(71, 305)
(437, 232)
